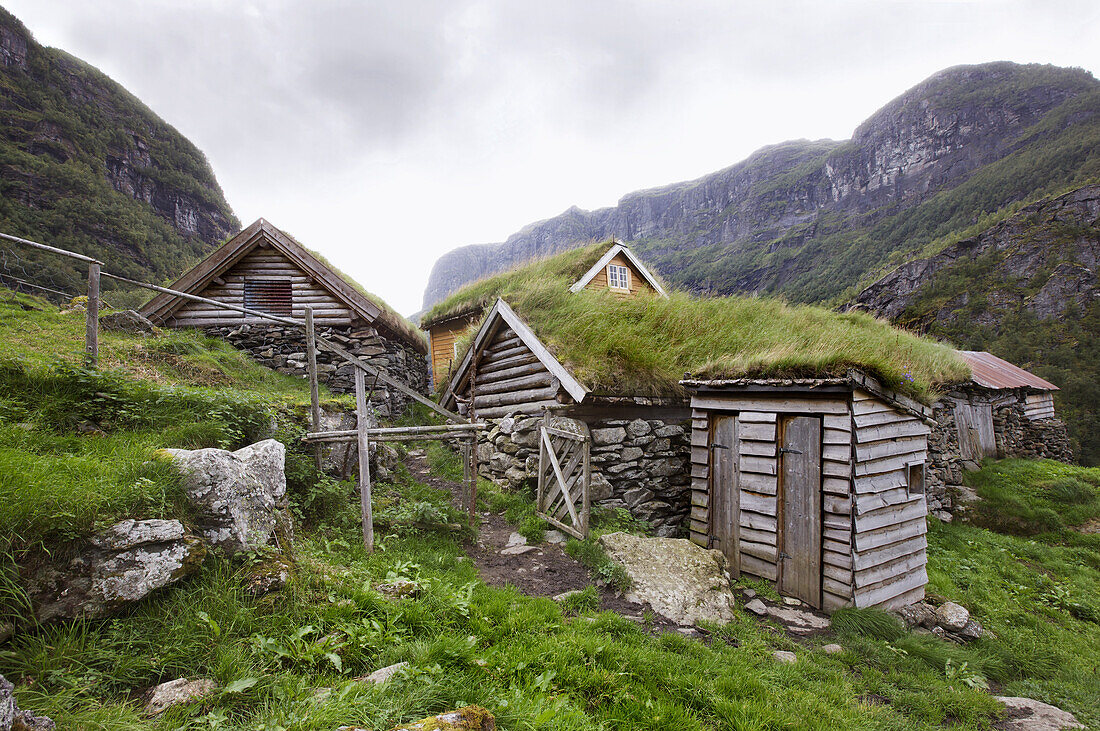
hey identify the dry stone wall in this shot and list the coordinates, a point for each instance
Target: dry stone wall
(641, 465)
(283, 349)
(1016, 436)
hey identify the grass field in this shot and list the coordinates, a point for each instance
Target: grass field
(288, 661)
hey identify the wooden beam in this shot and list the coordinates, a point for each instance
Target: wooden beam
(364, 460)
(314, 387)
(91, 324)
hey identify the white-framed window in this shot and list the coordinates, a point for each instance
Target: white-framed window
(618, 277)
(914, 476)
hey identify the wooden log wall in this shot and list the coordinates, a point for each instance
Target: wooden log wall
(510, 379)
(758, 484)
(262, 263)
(890, 548)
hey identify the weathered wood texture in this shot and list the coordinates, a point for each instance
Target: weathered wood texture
(510, 378)
(636, 281)
(91, 320)
(1039, 406)
(975, 428)
(562, 496)
(889, 549)
(261, 264)
(800, 508)
(725, 490)
(362, 419)
(443, 338)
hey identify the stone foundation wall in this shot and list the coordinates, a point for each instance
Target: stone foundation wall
(283, 349)
(642, 465)
(1015, 435)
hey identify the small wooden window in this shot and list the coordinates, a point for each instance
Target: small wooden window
(914, 475)
(618, 277)
(269, 295)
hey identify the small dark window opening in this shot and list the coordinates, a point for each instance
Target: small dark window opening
(269, 295)
(914, 474)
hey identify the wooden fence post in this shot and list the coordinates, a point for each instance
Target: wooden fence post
(314, 387)
(364, 459)
(473, 442)
(91, 330)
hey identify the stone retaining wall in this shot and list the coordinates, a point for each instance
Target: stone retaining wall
(283, 349)
(641, 465)
(1015, 435)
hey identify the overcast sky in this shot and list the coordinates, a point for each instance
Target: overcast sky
(384, 134)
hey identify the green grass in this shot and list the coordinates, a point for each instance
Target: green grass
(1031, 497)
(645, 345)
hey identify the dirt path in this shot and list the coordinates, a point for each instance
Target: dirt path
(546, 570)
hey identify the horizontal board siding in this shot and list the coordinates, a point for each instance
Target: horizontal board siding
(1039, 406)
(699, 528)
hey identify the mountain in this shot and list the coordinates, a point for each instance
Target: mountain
(1026, 288)
(85, 166)
(811, 220)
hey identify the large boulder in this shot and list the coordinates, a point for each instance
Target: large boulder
(1027, 714)
(127, 321)
(680, 580)
(240, 496)
(117, 567)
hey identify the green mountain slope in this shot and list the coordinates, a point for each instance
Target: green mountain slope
(812, 220)
(86, 166)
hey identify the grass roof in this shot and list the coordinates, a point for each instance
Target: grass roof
(646, 345)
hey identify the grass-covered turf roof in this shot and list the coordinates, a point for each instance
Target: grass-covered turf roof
(645, 345)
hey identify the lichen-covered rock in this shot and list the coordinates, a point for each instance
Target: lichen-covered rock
(952, 617)
(1026, 714)
(127, 321)
(177, 692)
(123, 564)
(680, 580)
(13, 719)
(239, 495)
(470, 718)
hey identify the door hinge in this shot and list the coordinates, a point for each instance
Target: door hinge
(718, 446)
(789, 450)
(783, 555)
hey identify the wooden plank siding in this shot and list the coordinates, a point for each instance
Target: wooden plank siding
(261, 263)
(510, 378)
(1039, 406)
(636, 281)
(889, 547)
(443, 338)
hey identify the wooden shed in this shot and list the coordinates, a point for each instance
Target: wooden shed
(817, 485)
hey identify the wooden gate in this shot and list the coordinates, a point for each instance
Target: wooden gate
(725, 490)
(975, 425)
(800, 509)
(564, 476)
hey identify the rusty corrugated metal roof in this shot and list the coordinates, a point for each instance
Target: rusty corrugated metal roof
(993, 372)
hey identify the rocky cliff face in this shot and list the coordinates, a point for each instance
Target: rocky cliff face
(86, 165)
(790, 217)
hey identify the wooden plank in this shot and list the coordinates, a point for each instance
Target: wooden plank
(561, 478)
(314, 386)
(361, 420)
(870, 539)
(890, 552)
(839, 505)
(888, 464)
(800, 509)
(870, 502)
(839, 559)
(700, 498)
(699, 438)
(759, 465)
(512, 372)
(866, 452)
(837, 453)
(896, 430)
(877, 483)
(700, 455)
(759, 550)
(873, 596)
(758, 536)
(700, 471)
(831, 602)
(870, 406)
(763, 504)
(837, 589)
(530, 407)
(757, 521)
(758, 431)
(841, 547)
(758, 567)
(892, 515)
(534, 380)
(779, 404)
(890, 570)
(91, 318)
(755, 482)
(836, 573)
(842, 470)
(758, 449)
(491, 367)
(837, 422)
(757, 416)
(836, 485)
(882, 418)
(516, 397)
(836, 436)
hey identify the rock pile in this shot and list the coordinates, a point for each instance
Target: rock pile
(949, 620)
(640, 464)
(283, 349)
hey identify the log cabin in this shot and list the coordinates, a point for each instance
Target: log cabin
(265, 269)
(618, 271)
